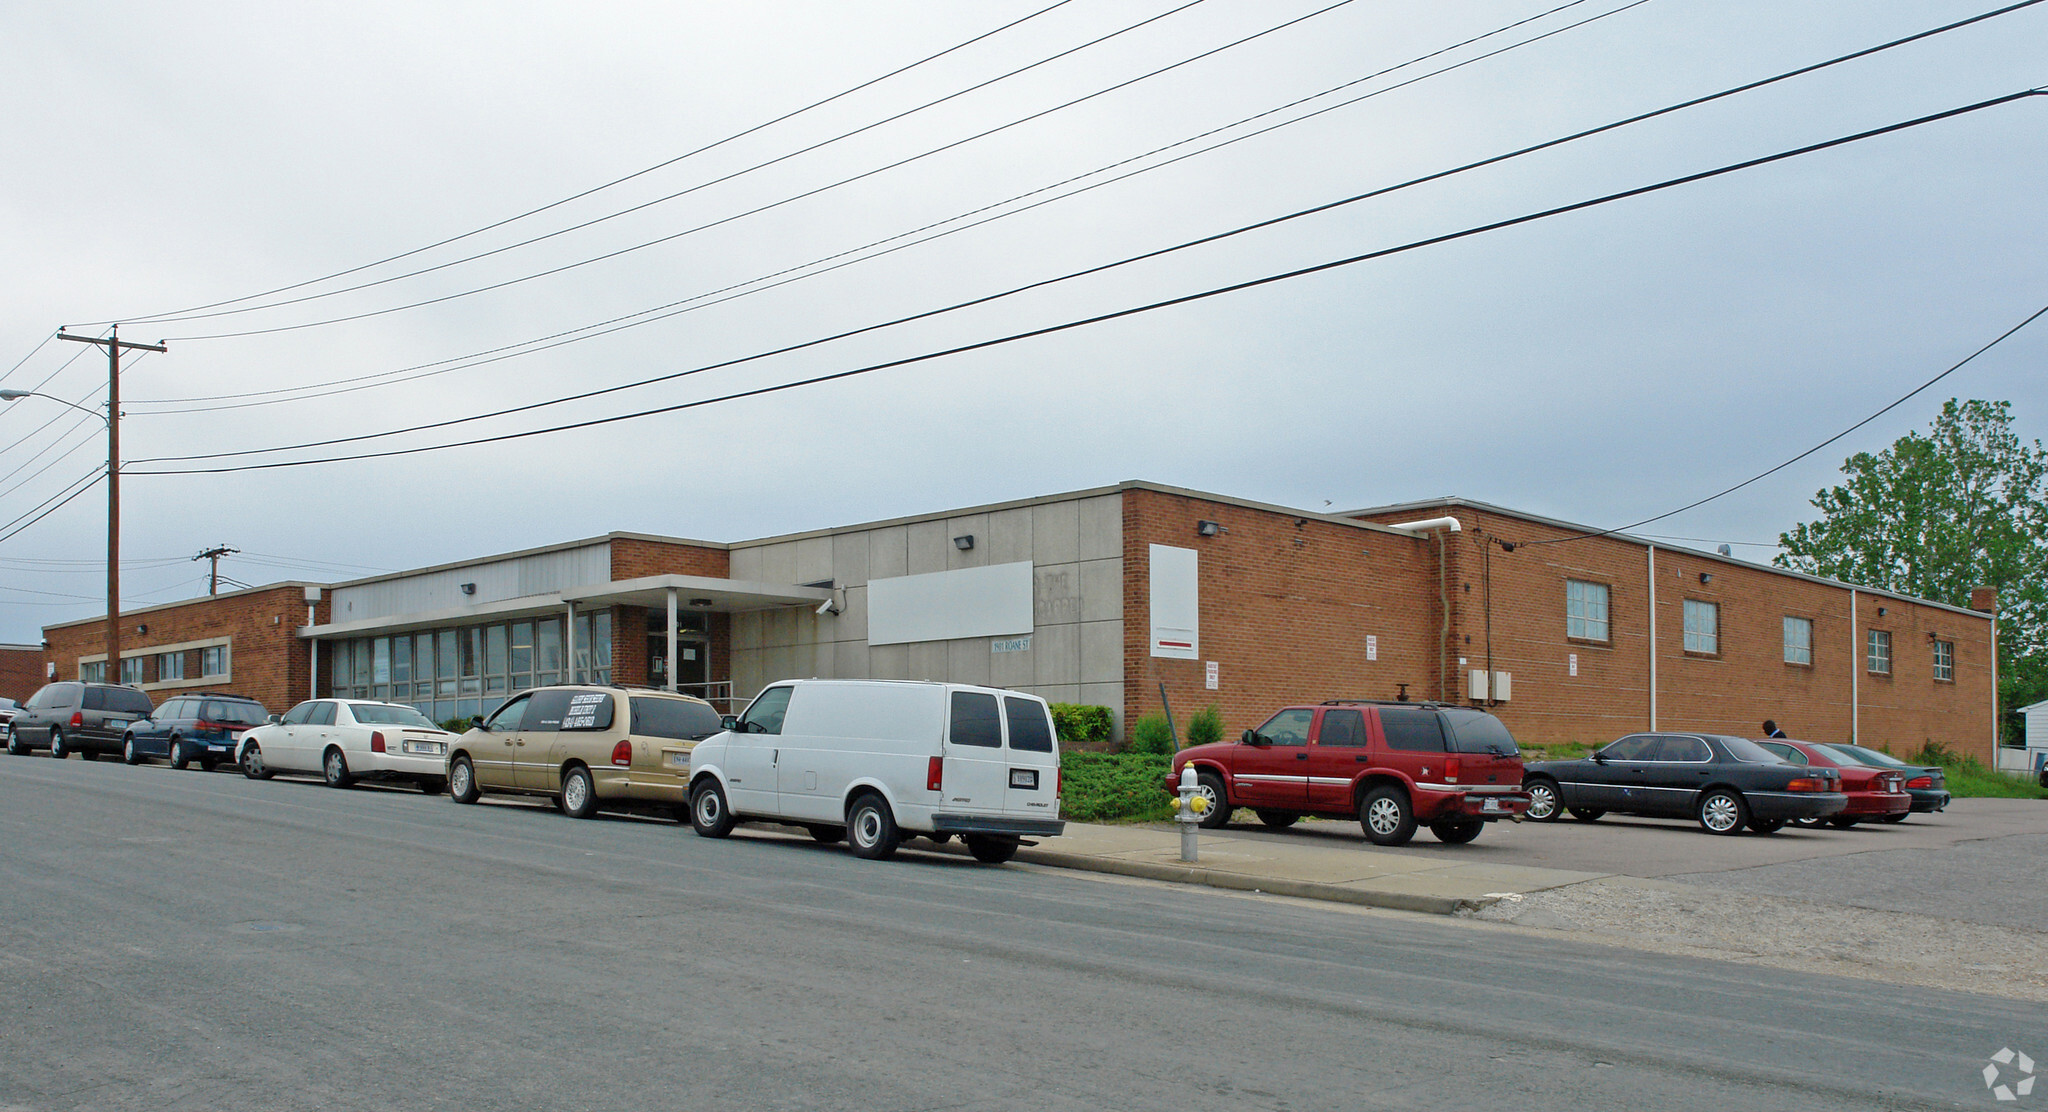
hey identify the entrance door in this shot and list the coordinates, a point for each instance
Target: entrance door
(977, 770)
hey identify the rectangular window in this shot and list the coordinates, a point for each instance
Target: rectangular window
(1702, 627)
(131, 669)
(401, 661)
(213, 660)
(1945, 661)
(380, 660)
(1585, 610)
(170, 666)
(1878, 652)
(93, 672)
(522, 649)
(547, 651)
(1798, 640)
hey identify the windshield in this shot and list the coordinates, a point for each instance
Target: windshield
(379, 714)
(239, 714)
(1475, 731)
(120, 700)
(1861, 755)
(1749, 752)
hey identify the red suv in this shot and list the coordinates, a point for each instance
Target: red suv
(1391, 765)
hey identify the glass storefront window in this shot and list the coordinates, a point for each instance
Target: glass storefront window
(494, 651)
(547, 646)
(401, 664)
(380, 661)
(522, 649)
(444, 662)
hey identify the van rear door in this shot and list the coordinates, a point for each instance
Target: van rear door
(1032, 787)
(977, 768)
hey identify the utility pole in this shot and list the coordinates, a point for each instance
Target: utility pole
(113, 343)
(213, 576)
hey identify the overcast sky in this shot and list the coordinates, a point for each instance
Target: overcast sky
(1600, 366)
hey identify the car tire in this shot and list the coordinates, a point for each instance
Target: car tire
(826, 835)
(1456, 832)
(936, 839)
(207, 764)
(59, 748)
(252, 762)
(1810, 823)
(432, 785)
(1387, 816)
(15, 746)
(334, 768)
(1900, 817)
(1843, 824)
(991, 850)
(1722, 811)
(1767, 826)
(709, 814)
(1209, 786)
(129, 753)
(871, 829)
(177, 754)
(1586, 814)
(579, 794)
(1546, 803)
(1277, 820)
(462, 781)
(88, 755)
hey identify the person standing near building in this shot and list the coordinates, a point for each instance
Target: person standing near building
(1771, 729)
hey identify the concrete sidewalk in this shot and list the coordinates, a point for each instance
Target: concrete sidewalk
(1345, 874)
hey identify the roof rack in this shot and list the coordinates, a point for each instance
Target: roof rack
(1379, 703)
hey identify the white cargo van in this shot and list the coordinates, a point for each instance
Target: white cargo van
(874, 760)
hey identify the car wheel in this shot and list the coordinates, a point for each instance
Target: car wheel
(1900, 817)
(15, 747)
(938, 839)
(88, 755)
(1277, 820)
(1209, 786)
(334, 768)
(991, 850)
(433, 785)
(252, 762)
(128, 751)
(1810, 823)
(827, 835)
(1456, 832)
(709, 815)
(1767, 826)
(462, 782)
(579, 795)
(871, 829)
(1843, 824)
(1387, 816)
(1586, 814)
(1721, 811)
(1545, 804)
(177, 754)
(59, 748)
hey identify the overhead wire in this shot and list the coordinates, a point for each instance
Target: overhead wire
(1144, 308)
(757, 210)
(699, 301)
(616, 181)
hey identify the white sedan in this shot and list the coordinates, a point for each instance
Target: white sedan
(345, 740)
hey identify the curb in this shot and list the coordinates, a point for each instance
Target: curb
(1300, 889)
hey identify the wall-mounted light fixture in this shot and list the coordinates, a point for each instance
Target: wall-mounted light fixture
(964, 542)
(469, 588)
(1880, 611)
(1706, 577)
(142, 629)
(1933, 636)
(1209, 528)
(700, 602)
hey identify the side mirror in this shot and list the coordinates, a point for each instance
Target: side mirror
(1252, 737)
(275, 719)
(729, 722)
(1600, 757)
(476, 722)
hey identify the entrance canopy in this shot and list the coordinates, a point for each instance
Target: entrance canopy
(692, 592)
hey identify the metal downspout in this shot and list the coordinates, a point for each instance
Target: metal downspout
(1653, 635)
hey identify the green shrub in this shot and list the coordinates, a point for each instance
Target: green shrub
(1152, 734)
(1114, 787)
(1082, 723)
(1206, 727)
(456, 725)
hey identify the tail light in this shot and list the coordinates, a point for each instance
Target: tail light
(1920, 782)
(622, 753)
(1059, 782)
(376, 742)
(1452, 766)
(77, 719)
(1807, 784)
(935, 775)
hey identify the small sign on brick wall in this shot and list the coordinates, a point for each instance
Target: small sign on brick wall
(1372, 647)
(1213, 675)
(1010, 645)
(1573, 658)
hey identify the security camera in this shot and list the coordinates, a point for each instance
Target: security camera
(829, 606)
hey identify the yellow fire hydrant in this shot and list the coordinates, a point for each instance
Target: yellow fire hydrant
(1188, 810)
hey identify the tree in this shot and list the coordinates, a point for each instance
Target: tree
(1933, 516)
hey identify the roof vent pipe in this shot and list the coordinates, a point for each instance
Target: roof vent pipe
(1429, 524)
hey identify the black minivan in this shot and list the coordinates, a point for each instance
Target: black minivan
(73, 717)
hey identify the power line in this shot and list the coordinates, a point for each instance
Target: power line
(698, 301)
(641, 246)
(14, 528)
(1135, 310)
(616, 181)
(1901, 400)
(660, 200)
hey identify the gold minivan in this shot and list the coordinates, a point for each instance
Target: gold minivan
(591, 747)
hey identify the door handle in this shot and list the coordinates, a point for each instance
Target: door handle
(1301, 756)
(1360, 759)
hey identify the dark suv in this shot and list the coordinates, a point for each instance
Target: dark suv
(203, 727)
(1390, 765)
(71, 716)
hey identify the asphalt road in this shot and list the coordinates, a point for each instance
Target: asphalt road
(198, 941)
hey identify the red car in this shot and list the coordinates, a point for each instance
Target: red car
(1874, 793)
(1390, 765)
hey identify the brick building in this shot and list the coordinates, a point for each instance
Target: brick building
(21, 671)
(1121, 596)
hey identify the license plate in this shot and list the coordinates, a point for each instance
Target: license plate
(1491, 806)
(677, 760)
(429, 748)
(119, 721)
(1026, 778)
